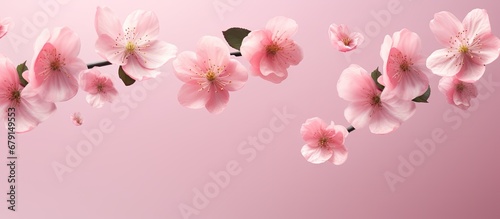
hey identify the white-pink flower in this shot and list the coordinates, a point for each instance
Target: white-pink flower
(343, 39)
(77, 119)
(209, 75)
(135, 45)
(323, 143)
(383, 112)
(99, 87)
(5, 25)
(272, 50)
(458, 93)
(470, 45)
(29, 109)
(56, 65)
(404, 67)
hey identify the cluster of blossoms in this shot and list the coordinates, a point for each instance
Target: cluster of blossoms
(384, 100)
(56, 73)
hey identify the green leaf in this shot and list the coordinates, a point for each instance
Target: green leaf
(20, 69)
(424, 97)
(234, 36)
(375, 75)
(127, 80)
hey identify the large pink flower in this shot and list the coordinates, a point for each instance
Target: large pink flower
(271, 51)
(100, 88)
(135, 46)
(5, 24)
(457, 92)
(209, 75)
(404, 68)
(470, 45)
(56, 65)
(323, 143)
(343, 39)
(30, 109)
(383, 112)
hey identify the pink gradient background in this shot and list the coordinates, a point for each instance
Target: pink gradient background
(159, 152)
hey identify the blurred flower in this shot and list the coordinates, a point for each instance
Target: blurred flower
(56, 65)
(470, 45)
(457, 92)
(135, 46)
(100, 88)
(5, 25)
(77, 119)
(383, 112)
(271, 51)
(404, 68)
(30, 109)
(323, 143)
(343, 39)
(209, 75)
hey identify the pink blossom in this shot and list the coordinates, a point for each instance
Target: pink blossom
(56, 65)
(343, 39)
(76, 118)
(470, 45)
(99, 87)
(209, 75)
(404, 68)
(5, 26)
(323, 143)
(135, 46)
(30, 109)
(271, 51)
(383, 112)
(457, 92)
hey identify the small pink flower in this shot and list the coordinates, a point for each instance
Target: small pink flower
(5, 25)
(343, 39)
(470, 45)
(457, 92)
(56, 65)
(30, 109)
(271, 51)
(100, 88)
(135, 46)
(404, 68)
(209, 75)
(383, 112)
(77, 119)
(323, 143)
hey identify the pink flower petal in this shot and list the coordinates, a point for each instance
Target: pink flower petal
(156, 54)
(135, 70)
(477, 22)
(111, 50)
(470, 71)
(442, 63)
(191, 96)
(5, 26)
(218, 100)
(238, 75)
(487, 51)
(282, 27)
(145, 24)
(32, 110)
(316, 155)
(355, 84)
(186, 66)
(359, 114)
(444, 25)
(107, 23)
(310, 129)
(339, 156)
(66, 41)
(213, 50)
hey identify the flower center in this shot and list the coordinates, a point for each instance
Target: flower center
(463, 49)
(210, 75)
(376, 100)
(56, 65)
(100, 88)
(347, 41)
(273, 49)
(323, 142)
(130, 47)
(15, 96)
(460, 87)
(404, 66)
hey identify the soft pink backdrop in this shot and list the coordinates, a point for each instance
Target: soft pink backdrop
(158, 152)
